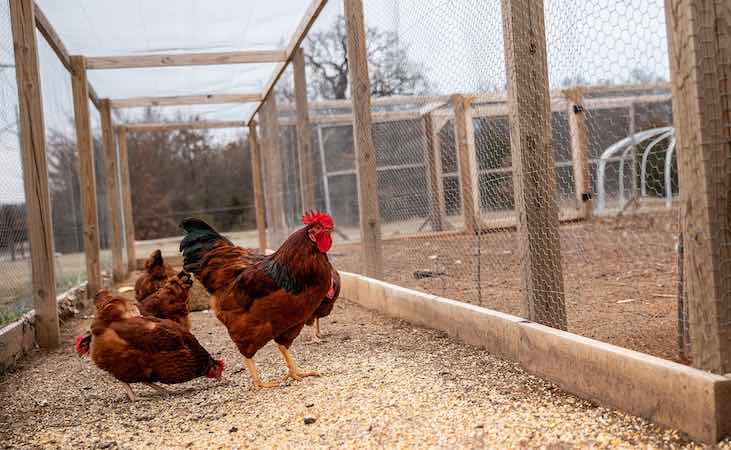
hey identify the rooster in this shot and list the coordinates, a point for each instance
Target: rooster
(155, 274)
(325, 307)
(170, 301)
(261, 298)
(136, 349)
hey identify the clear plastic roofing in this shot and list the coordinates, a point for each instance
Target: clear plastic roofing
(115, 28)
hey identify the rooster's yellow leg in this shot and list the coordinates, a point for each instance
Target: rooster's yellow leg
(294, 372)
(130, 393)
(255, 375)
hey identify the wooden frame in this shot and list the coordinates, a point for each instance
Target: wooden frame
(58, 47)
(114, 207)
(464, 136)
(304, 140)
(257, 179)
(313, 11)
(433, 166)
(365, 150)
(35, 173)
(699, 44)
(84, 144)
(129, 223)
(182, 100)
(170, 126)
(272, 163)
(184, 59)
(578, 132)
(534, 175)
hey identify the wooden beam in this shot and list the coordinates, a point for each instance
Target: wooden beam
(464, 136)
(534, 173)
(185, 59)
(304, 139)
(365, 150)
(208, 99)
(84, 144)
(580, 152)
(170, 126)
(129, 223)
(258, 182)
(433, 166)
(58, 47)
(699, 41)
(35, 173)
(313, 11)
(272, 155)
(114, 207)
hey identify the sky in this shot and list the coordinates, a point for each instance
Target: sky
(458, 42)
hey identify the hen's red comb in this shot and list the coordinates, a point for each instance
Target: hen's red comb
(79, 349)
(324, 219)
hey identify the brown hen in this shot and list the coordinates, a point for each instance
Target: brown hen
(137, 349)
(153, 277)
(170, 301)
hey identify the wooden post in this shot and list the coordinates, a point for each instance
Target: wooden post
(304, 140)
(433, 166)
(365, 150)
(699, 41)
(258, 187)
(114, 209)
(273, 161)
(464, 136)
(129, 222)
(580, 152)
(534, 173)
(35, 173)
(84, 144)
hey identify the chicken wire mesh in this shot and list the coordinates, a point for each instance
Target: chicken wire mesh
(615, 191)
(14, 260)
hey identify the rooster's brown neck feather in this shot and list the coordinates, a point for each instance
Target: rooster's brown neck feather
(296, 264)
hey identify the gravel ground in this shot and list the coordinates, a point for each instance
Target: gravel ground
(385, 384)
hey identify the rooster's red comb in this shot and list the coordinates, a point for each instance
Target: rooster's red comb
(324, 219)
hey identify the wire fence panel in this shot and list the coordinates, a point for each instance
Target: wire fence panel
(612, 145)
(15, 274)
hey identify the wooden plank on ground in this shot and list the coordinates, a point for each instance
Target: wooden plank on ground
(699, 34)
(35, 173)
(534, 173)
(84, 144)
(365, 150)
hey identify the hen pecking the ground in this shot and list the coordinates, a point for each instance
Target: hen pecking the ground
(148, 350)
(262, 298)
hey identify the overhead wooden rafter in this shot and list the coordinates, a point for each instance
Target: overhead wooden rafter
(313, 11)
(169, 126)
(180, 100)
(185, 59)
(56, 44)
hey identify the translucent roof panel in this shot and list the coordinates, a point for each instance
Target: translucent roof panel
(117, 28)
